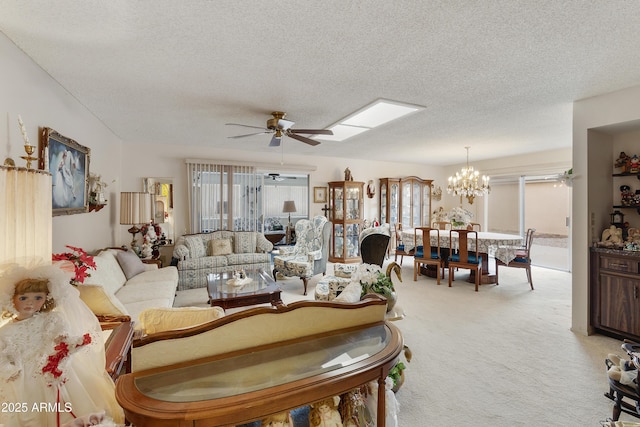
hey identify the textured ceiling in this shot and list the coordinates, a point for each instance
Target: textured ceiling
(499, 76)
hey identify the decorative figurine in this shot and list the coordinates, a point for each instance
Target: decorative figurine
(324, 413)
(622, 161)
(347, 175)
(634, 164)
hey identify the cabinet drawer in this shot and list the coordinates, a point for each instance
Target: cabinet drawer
(625, 265)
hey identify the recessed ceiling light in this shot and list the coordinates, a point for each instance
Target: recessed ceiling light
(377, 113)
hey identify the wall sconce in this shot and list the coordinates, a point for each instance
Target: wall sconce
(371, 189)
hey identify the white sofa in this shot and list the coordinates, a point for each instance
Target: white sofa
(122, 285)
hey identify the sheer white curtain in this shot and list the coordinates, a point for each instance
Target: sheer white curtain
(222, 197)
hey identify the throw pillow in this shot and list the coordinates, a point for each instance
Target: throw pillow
(101, 302)
(220, 247)
(244, 242)
(130, 263)
(155, 320)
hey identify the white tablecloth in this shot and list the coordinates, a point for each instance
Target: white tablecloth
(500, 245)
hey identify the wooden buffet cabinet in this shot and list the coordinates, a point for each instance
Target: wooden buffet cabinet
(615, 292)
(261, 361)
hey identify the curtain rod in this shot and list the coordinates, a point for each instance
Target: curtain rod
(259, 166)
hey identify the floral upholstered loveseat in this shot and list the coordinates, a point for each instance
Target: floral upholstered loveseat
(200, 254)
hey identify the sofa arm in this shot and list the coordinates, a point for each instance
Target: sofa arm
(263, 244)
(181, 252)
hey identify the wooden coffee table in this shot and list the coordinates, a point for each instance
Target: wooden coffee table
(261, 290)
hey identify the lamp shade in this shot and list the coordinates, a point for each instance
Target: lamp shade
(25, 217)
(136, 208)
(289, 206)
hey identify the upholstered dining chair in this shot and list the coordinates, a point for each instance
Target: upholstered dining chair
(427, 254)
(400, 250)
(522, 259)
(462, 257)
(309, 255)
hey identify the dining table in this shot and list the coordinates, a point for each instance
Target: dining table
(501, 246)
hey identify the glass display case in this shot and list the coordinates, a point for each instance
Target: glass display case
(346, 215)
(405, 200)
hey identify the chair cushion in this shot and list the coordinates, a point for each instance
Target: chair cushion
(219, 247)
(130, 263)
(472, 259)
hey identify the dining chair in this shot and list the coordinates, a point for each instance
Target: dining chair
(522, 259)
(474, 226)
(462, 257)
(426, 253)
(400, 248)
(441, 225)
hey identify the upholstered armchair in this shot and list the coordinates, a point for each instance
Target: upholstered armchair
(309, 256)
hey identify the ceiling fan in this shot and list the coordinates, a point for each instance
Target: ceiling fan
(278, 177)
(279, 127)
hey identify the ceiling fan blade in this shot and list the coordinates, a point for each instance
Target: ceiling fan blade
(275, 141)
(312, 131)
(302, 138)
(249, 134)
(246, 126)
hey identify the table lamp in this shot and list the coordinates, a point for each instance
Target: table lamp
(135, 208)
(288, 207)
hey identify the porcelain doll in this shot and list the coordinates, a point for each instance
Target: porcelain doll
(52, 360)
(324, 413)
(283, 419)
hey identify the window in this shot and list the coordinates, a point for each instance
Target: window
(280, 188)
(222, 197)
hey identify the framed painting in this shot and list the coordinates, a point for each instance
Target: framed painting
(68, 163)
(319, 194)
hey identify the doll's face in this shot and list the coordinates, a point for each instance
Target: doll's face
(29, 303)
(324, 408)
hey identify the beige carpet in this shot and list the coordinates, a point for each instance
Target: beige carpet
(503, 356)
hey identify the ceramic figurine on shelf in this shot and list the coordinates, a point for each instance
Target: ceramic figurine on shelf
(324, 413)
(622, 161)
(634, 164)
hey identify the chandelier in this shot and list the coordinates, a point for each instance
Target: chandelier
(467, 183)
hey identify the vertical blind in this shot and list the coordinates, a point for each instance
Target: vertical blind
(222, 197)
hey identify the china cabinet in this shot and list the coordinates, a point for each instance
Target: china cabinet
(346, 215)
(405, 200)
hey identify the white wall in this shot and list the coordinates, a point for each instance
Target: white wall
(27, 90)
(593, 157)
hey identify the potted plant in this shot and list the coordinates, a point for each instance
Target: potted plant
(397, 375)
(374, 280)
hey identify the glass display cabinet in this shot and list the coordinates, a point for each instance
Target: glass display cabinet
(346, 215)
(405, 200)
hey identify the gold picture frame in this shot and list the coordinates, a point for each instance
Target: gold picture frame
(68, 163)
(319, 194)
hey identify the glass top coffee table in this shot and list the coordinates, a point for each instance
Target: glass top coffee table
(261, 289)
